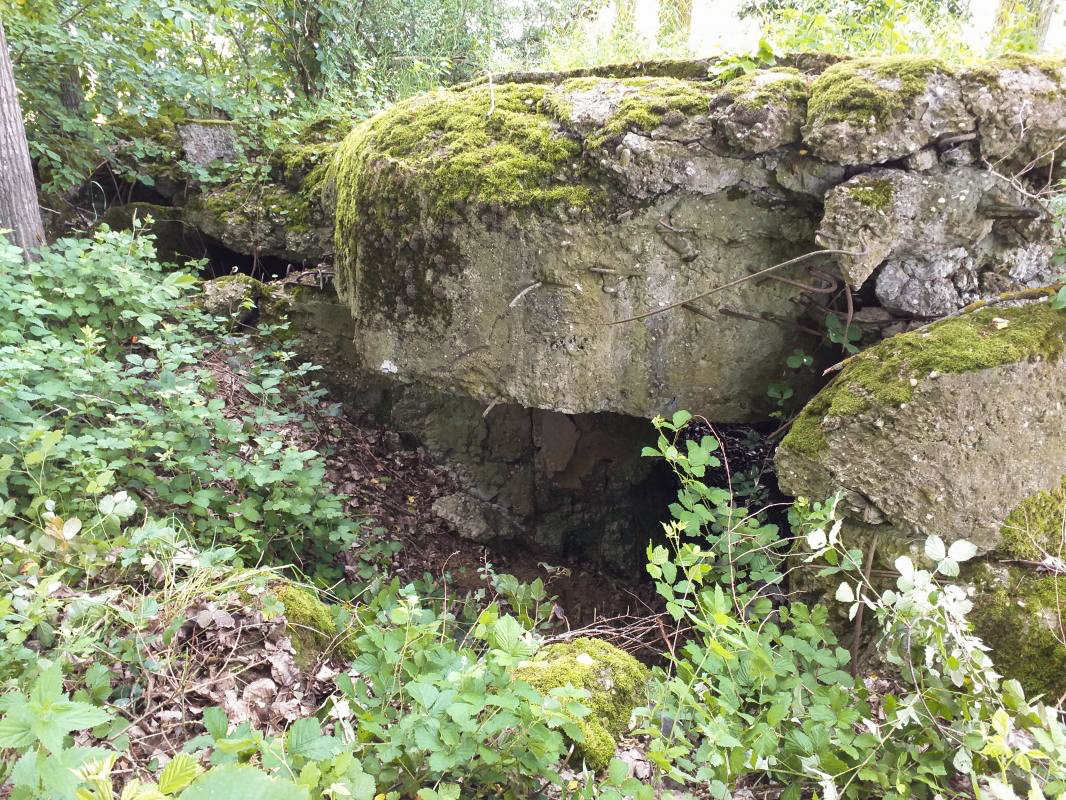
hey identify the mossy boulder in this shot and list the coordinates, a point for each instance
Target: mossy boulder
(265, 219)
(873, 110)
(942, 430)
(488, 237)
(1020, 607)
(616, 683)
(762, 110)
(311, 626)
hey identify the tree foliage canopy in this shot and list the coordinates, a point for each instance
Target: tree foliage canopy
(82, 62)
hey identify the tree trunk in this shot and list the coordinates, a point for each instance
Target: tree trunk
(19, 211)
(1045, 12)
(1034, 15)
(71, 95)
(675, 20)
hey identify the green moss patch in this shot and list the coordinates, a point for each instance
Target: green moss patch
(615, 681)
(1035, 528)
(775, 87)
(1022, 623)
(643, 109)
(1022, 618)
(311, 628)
(874, 194)
(869, 91)
(481, 145)
(881, 375)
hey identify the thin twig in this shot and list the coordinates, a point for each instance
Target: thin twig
(857, 632)
(731, 284)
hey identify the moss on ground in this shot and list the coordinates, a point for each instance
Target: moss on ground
(763, 88)
(874, 194)
(616, 683)
(1022, 620)
(1036, 527)
(869, 91)
(311, 627)
(881, 375)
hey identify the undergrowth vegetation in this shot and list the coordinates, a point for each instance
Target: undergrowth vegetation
(159, 499)
(113, 379)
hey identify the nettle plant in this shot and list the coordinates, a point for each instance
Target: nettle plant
(757, 688)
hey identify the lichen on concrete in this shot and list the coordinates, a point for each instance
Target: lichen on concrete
(616, 683)
(881, 375)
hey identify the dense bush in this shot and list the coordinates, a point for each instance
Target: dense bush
(759, 690)
(111, 378)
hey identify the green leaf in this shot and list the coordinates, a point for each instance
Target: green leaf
(179, 773)
(216, 722)
(934, 549)
(948, 567)
(680, 418)
(306, 739)
(67, 716)
(15, 732)
(1059, 300)
(246, 783)
(48, 687)
(845, 594)
(962, 550)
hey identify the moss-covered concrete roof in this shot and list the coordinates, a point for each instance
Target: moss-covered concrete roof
(886, 374)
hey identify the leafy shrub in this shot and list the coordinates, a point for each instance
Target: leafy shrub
(759, 690)
(434, 701)
(109, 377)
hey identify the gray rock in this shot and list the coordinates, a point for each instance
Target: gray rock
(943, 430)
(1020, 110)
(934, 236)
(203, 143)
(476, 519)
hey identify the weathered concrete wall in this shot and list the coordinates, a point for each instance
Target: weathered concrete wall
(488, 238)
